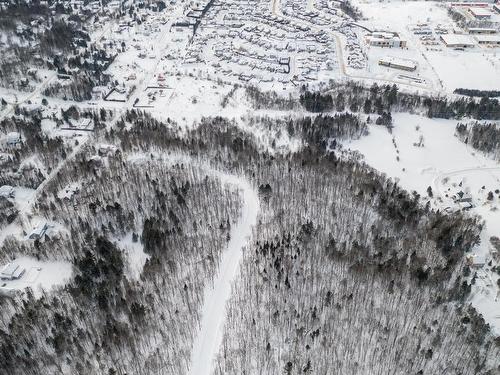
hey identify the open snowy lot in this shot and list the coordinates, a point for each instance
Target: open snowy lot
(467, 69)
(38, 275)
(401, 15)
(440, 66)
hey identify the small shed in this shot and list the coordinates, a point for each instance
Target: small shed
(476, 260)
(465, 206)
(39, 232)
(13, 139)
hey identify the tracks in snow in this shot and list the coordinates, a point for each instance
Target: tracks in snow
(209, 338)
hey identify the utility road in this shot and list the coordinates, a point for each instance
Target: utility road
(206, 345)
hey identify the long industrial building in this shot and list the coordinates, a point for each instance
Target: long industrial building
(385, 39)
(492, 40)
(457, 41)
(392, 62)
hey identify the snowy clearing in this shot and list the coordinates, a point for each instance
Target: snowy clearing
(135, 255)
(37, 275)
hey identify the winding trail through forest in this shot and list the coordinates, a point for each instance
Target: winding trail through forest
(213, 314)
(209, 338)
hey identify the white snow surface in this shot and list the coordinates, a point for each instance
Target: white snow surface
(135, 255)
(468, 69)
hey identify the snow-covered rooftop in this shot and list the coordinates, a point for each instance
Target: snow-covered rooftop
(457, 40)
(480, 12)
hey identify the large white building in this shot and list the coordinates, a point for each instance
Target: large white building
(492, 40)
(457, 41)
(480, 13)
(481, 30)
(393, 62)
(11, 271)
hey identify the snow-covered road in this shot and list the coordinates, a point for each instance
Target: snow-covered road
(209, 338)
(216, 295)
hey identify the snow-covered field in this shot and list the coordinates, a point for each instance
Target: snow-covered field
(477, 69)
(442, 163)
(399, 15)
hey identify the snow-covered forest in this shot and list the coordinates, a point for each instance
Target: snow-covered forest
(168, 218)
(345, 272)
(37, 153)
(249, 187)
(482, 137)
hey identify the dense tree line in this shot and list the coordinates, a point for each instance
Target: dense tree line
(316, 102)
(324, 130)
(350, 96)
(486, 108)
(382, 98)
(22, 12)
(62, 36)
(478, 93)
(349, 9)
(269, 99)
(78, 88)
(481, 136)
